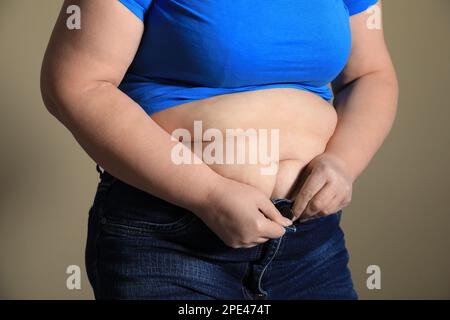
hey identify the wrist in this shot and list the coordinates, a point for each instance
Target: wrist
(208, 196)
(345, 163)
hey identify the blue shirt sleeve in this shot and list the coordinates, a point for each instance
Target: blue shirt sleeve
(138, 7)
(357, 6)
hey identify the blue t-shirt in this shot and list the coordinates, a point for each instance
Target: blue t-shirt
(195, 49)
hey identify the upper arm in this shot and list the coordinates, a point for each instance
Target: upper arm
(101, 51)
(369, 52)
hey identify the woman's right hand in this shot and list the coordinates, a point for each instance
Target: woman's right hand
(241, 215)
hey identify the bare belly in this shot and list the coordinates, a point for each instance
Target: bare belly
(302, 121)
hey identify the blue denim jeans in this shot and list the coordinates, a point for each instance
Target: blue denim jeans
(142, 247)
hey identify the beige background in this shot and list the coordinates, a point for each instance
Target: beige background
(399, 218)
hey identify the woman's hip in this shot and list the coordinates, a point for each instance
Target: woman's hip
(134, 238)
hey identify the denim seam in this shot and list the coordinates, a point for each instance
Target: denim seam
(272, 255)
(246, 294)
(97, 255)
(104, 187)
(243, 288)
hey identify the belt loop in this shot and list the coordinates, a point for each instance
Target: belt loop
(106, 178)
(99, 170)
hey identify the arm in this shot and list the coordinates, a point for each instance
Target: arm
(80, 75)
(79, 79)
(366, 103)
(365, 99)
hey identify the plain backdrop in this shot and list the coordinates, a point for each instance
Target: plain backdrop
(399, 218)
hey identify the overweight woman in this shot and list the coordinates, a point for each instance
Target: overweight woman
(153, 90)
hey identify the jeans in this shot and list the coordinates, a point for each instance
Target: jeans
(142, 247)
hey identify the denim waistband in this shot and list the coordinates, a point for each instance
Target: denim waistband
(323, 226)
(283, 205)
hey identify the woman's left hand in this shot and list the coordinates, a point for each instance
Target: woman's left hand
(327, 188)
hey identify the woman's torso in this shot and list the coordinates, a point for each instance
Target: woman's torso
(250, 65)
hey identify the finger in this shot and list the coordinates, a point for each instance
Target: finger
(261, 240)
(320, 201)
(248, 246)
(268, 209)
(258, 241)
(272, 230)
(307, 219)
(333, 206)
(312, 185)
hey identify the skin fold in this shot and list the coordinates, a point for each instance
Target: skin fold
(299, 141)
(322, 150)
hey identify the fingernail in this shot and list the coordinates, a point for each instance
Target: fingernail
(287, 222)
(292, 213)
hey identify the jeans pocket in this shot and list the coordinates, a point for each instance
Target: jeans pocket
(124, 221)
(133, 211)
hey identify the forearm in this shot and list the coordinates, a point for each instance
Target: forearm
(366, 110)
(120, 136)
